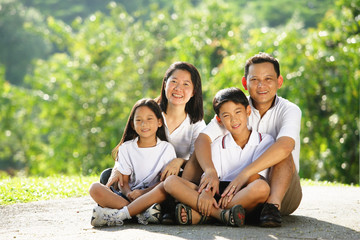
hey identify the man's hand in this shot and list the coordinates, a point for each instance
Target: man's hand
(235, 185)
(172, 168)
(209, 182)
(115, 176)
(224, 201)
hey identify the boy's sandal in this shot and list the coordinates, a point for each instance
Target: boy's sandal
(178, 218)
(236, 216)
(188, 209)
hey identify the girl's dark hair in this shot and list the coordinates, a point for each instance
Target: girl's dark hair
(261, 58)
(194, 107)
(229, 94)
(130, 133)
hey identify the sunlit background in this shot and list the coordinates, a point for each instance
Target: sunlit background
(70, 72)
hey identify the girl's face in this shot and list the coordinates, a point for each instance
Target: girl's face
(145, 122)
(179, 87)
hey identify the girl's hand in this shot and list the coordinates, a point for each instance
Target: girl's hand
(205, 203)
(115, 176)
(134, 194)
(172, 168)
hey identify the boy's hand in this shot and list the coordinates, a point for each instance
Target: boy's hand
(172, 168)
(115, 176)
(209, 181)
(205, 203)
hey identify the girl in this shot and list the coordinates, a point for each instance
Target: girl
(181, 102)
(141, 156)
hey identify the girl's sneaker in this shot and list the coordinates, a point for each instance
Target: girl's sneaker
(151, 215)
(107, 216)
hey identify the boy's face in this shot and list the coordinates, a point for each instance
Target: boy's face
(262, 83)
(234, 117)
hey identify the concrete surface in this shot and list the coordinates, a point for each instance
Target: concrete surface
(324, 213)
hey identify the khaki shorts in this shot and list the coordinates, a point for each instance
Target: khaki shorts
(292, 197)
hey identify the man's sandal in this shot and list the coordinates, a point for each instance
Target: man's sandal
(178, 218)
(236, 216)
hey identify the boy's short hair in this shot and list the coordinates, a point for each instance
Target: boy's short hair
(229, 94)
(262, 58)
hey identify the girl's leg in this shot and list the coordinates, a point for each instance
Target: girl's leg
(105, 197)
(139, 205)
(250, 196)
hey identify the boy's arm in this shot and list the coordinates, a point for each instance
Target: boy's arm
(210, 180)
(277, 152)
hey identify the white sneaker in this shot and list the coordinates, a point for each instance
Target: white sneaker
(150, 215)
(107, 216)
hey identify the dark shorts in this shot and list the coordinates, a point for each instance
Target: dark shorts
(104, 177)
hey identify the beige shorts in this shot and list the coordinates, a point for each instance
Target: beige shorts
(292, 197)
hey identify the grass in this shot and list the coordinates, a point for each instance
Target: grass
(27, 189)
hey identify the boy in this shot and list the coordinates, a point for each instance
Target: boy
(230, 154)
(270, 114)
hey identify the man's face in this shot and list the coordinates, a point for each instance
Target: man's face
(263, 83)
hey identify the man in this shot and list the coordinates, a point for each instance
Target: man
(273, 115)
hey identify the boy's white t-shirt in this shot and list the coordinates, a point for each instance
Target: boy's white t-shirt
(183, 137)
(282, 119)
(230, 159)
(144, 165)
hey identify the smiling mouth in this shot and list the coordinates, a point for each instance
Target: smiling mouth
(145, 130)
(236, 126)
(177, 95)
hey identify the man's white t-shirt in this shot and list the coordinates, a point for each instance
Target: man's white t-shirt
(184, 136)
(230, 159)
(144, 165)
(282, 119)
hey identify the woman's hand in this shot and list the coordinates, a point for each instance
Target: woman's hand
(115, 177)
(209, 182)
(205, 203)
(172, 168)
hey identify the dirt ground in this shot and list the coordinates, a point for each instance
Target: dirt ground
(324, 213)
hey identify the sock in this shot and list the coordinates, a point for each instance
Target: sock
(126, 211)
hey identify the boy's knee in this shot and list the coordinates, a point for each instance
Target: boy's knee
(170, 182)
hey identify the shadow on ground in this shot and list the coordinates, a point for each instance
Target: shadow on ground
(294, 227)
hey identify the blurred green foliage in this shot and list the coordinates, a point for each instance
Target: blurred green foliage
(72, 107)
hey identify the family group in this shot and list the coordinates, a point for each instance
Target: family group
(172, 168)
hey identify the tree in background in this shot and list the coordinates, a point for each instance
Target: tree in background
(74, 105)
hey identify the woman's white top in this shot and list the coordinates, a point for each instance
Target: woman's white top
(184, 136)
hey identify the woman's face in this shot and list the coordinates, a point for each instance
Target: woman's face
(179, 88)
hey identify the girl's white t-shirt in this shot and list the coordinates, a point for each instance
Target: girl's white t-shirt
(183, 137)
(230, 159)
(144, 165)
